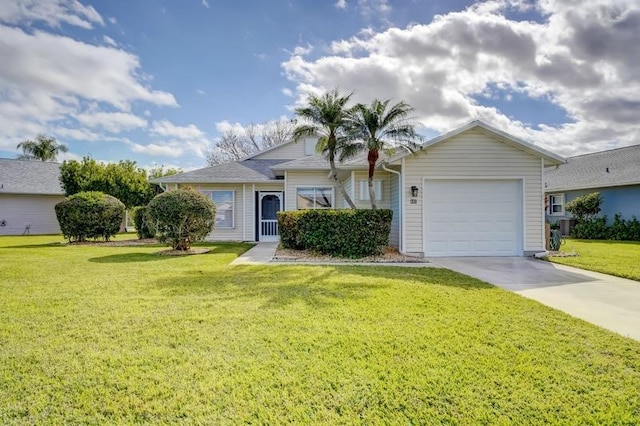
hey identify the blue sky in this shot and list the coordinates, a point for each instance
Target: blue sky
(157, 81)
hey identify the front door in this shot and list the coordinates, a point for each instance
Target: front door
(269, 203)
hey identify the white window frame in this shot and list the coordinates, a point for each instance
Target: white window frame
(551, 204)
(209, 193)
(364, 189)
(315, 187)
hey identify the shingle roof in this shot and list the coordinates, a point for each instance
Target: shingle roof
(29, 177)
(616, 167)
(319, 162)
(238, 171)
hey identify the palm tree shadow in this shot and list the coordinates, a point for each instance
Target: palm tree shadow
(131, 258)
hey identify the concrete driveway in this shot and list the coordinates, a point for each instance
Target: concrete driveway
(604, 300)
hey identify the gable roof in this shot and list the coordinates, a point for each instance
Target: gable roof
(243, 171)
(615, 167)
(29, 177)
(549, 157)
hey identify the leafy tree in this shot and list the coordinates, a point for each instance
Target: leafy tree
(44, 148)
(181, 217)
(239, 143)
(326, 116)
(378, 127)
(122, 180)
(585, 207)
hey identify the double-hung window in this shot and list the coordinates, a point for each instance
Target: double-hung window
(314, 198)
(556, 204)
(224, 201)
(364, 190)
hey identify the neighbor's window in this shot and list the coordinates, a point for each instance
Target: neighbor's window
(556, 204)
(224, 207)
(364, 190)
(314, 198)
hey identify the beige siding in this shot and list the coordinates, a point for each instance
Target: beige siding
(297, 179)
(394, 196)
(475, 155)
(362, 175)
(34, 211)
(287, 151)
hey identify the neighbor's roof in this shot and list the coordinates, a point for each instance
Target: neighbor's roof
(244, 171)
(615, 167)
(29, 177)
(548, 156)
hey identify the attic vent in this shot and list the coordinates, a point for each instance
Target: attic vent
(607, 170)
(280, 177)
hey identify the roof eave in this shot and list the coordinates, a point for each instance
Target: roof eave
(579, 188)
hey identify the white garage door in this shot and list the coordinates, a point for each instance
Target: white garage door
(473, 217)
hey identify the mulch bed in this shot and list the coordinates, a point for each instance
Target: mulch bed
(391, 255)
(143, 242)
(562, 254)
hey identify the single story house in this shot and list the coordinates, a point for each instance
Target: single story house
(475, 191)
(29, 190)
(614, 173)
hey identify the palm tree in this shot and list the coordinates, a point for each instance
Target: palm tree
(44, 148)
(326, 116)
(379, 127)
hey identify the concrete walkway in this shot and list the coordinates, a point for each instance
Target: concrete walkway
(259, 254)
(610, 302)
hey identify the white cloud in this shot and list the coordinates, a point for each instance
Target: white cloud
(205, 3)
(46, 78)
(51, 12)
(200, 92)
(114, 122)
(158, 149)
(341, 4)
(175, 140)
(584, 59)
(109, 41)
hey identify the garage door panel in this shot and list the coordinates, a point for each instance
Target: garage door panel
(473, 217)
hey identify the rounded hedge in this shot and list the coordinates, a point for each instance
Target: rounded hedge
(182, 217)
(144, 227)
(93, 215)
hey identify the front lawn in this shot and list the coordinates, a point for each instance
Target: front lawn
(119, 335)
(620, 258)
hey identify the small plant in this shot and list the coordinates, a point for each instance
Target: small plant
(556, 240)
(144, 227)
(89, 215)
(182, 217)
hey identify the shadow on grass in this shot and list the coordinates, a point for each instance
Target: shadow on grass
(227, 248)
(317, 286)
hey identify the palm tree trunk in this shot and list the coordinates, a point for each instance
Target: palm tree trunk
(372, 158)
(334, 175)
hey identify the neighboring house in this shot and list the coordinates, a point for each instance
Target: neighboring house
(615, 174)
(29, 190)
(475, 191)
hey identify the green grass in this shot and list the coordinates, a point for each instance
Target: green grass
(620, 258)
(119, 335)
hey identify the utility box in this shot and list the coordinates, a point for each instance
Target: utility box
(566, 225)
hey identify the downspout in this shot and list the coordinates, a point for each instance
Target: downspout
(400, 200)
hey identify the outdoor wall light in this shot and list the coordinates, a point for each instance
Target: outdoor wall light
(414, 191)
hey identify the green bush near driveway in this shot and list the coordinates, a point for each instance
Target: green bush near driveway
(144, 226)
(339, 232)
(89, 215)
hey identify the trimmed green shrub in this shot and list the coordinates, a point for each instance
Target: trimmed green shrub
(343, 233)
(87, 215)
(624, 230)
(585, 207)
(594, 228)
(182, 217)
(144, 228)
